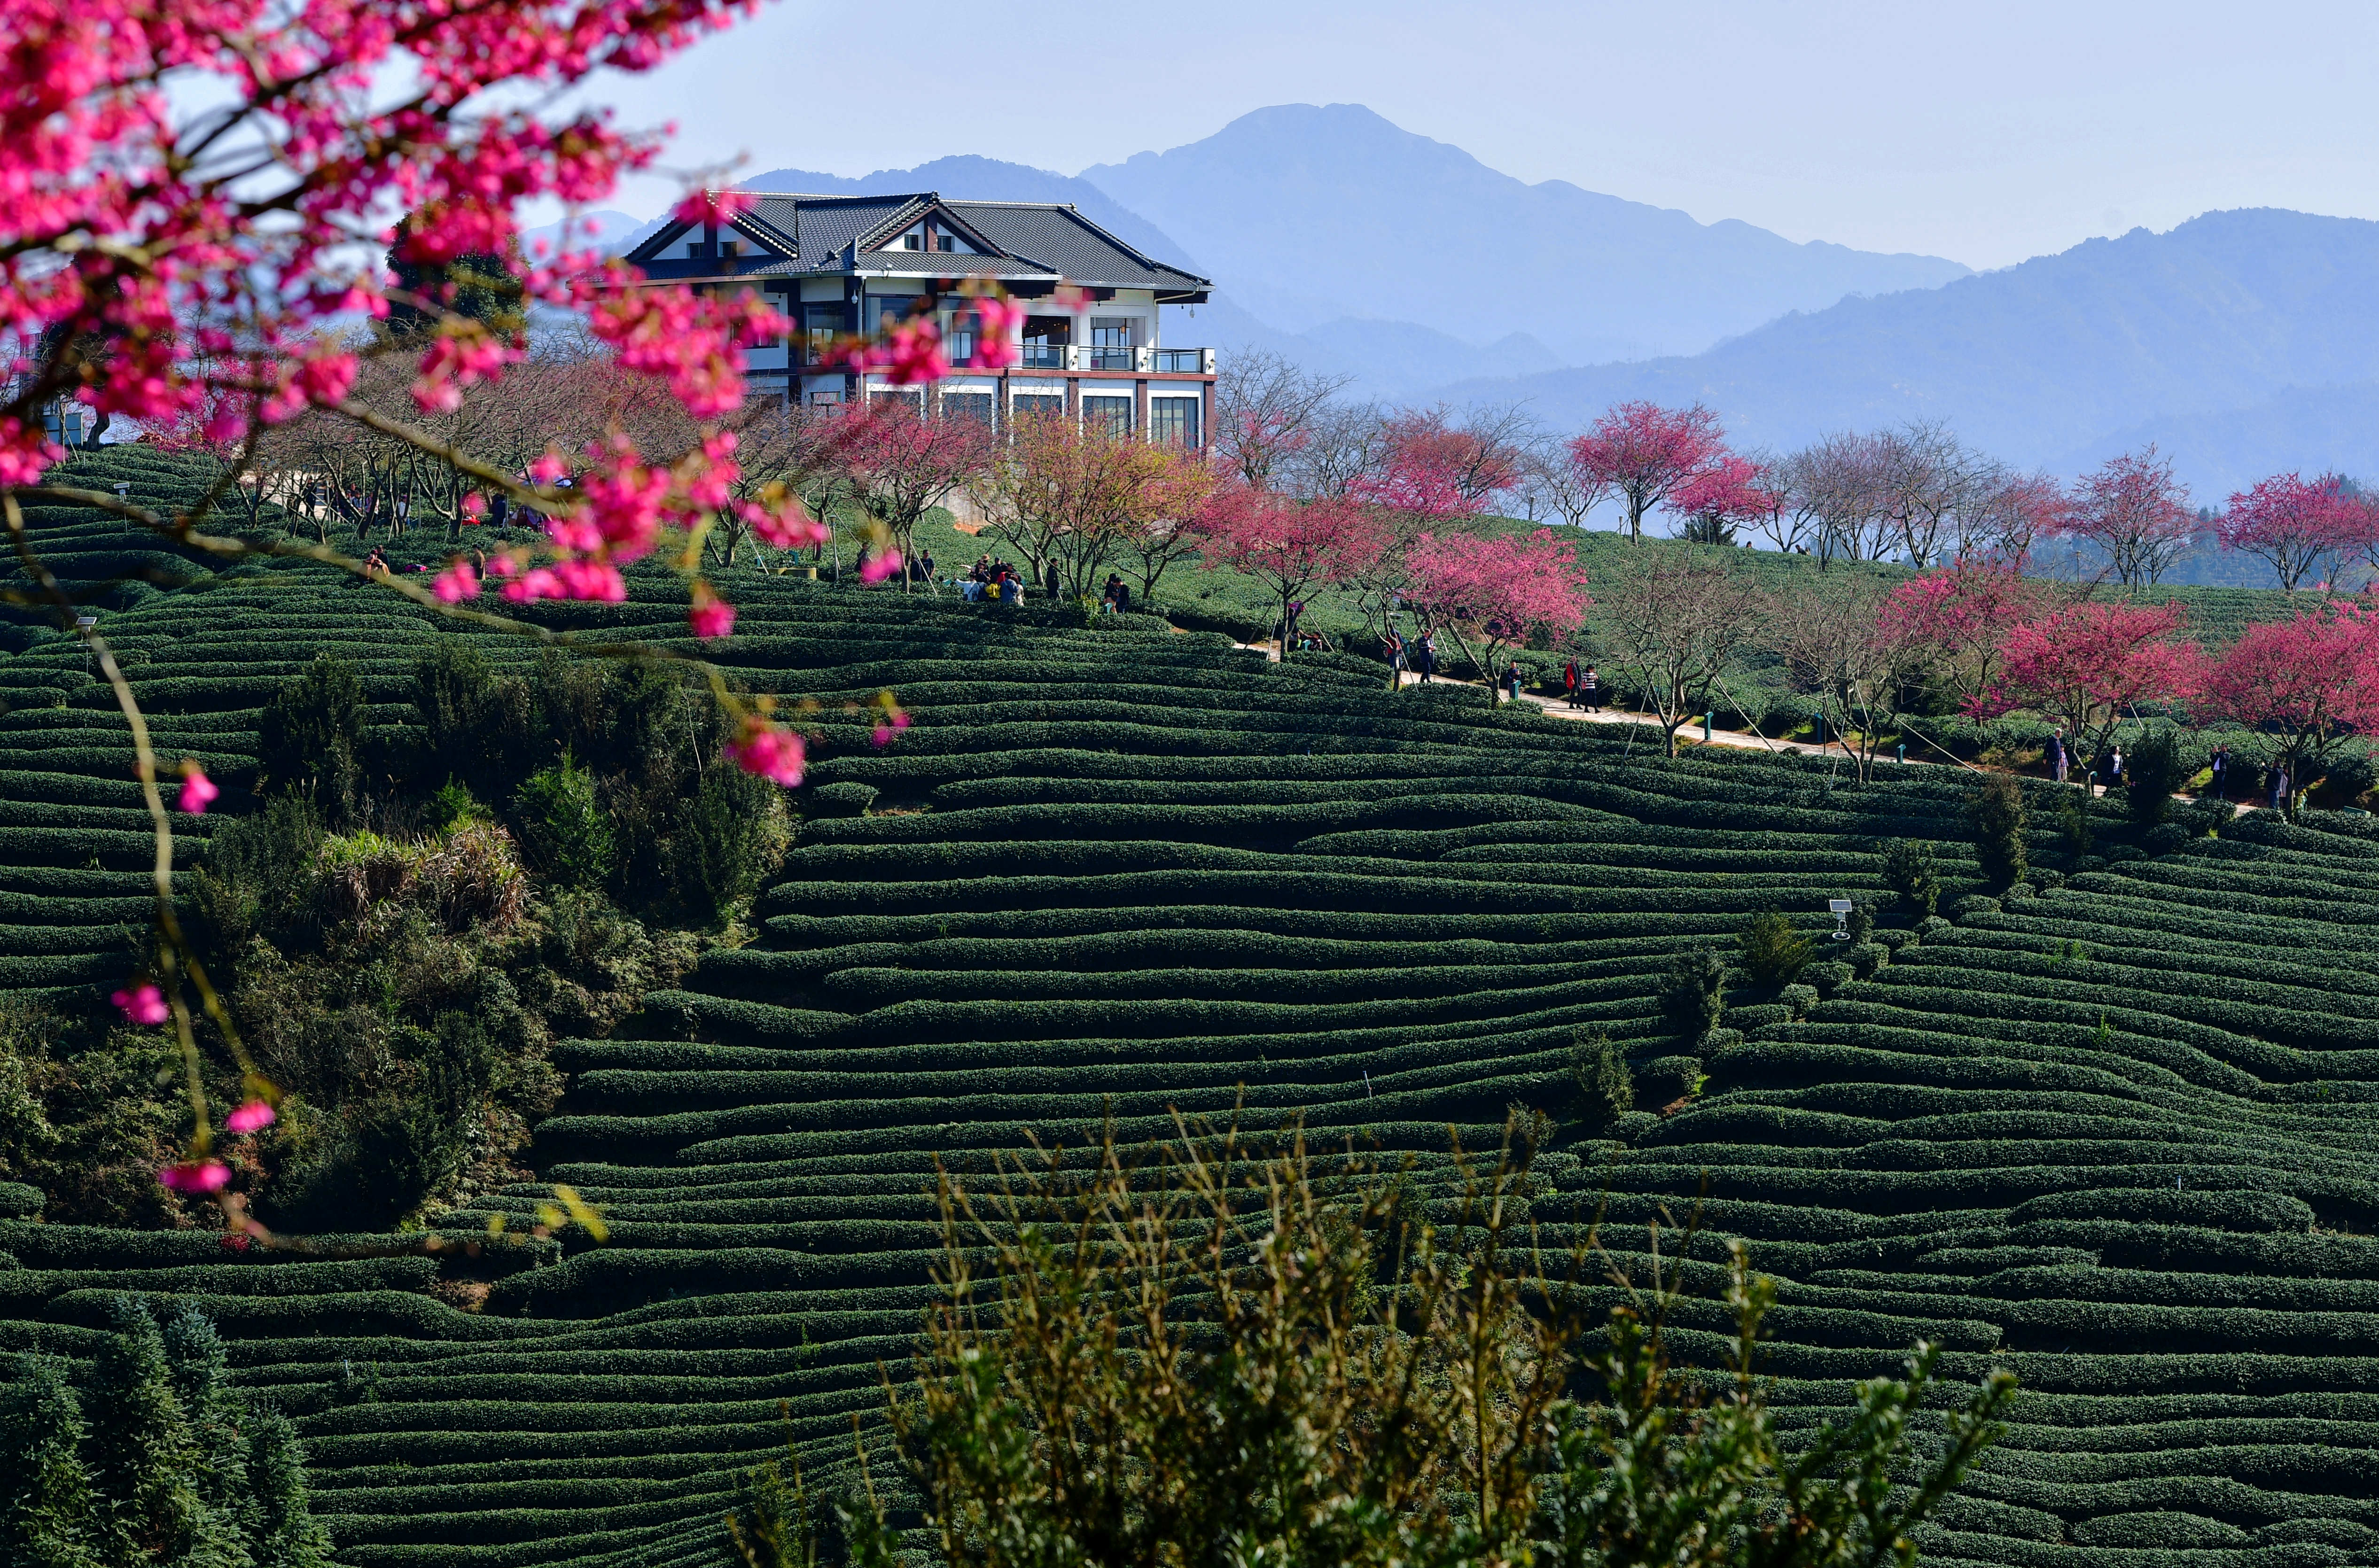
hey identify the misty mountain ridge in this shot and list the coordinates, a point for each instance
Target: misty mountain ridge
(2181, 337)
(1308, 214)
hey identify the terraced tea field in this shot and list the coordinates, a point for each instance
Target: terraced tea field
(2116, 1135)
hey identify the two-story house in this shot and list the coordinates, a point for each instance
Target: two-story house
(846, 264)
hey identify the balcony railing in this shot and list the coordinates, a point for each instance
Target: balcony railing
(1183, 361)
(1041, 356)
(1104, 357)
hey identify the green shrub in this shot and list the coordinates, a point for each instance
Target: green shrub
(563, 826)
(481, 729)
(847, 799)
(1666, 1079)
(1691, 992)
(1865, 957)
(311, 738)
(1829, 977)
(1998, 813)
(1605, 1088)
(1910, 871)
(732, 835)
(1772, 951)
(1800, 998)
(2157, 764)
(2073, 822)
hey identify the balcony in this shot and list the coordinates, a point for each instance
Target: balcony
(1126, 360)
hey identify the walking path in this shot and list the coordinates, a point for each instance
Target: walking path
(1687, 734)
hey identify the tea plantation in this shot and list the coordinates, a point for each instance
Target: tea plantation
(2111, 1132)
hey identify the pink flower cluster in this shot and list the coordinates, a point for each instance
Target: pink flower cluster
(142, 1004)
(88, 137)
(199, 792)
(768, 749)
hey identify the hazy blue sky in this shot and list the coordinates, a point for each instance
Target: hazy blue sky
(1986, 133)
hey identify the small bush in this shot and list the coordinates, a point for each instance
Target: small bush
(730, 837)
(2073, 822)
(2154, 768)
(1665, 1079)
(1997, 813)
(1910, 869)
(1772, 951)
(1865, 957)
(1829, 977)
(1800, 999)
(1605, 1088)
(1690, 993)
(563, 826)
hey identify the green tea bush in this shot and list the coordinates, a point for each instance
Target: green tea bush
(310, 739)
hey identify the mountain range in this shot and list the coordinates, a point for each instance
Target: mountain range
(2242, 342)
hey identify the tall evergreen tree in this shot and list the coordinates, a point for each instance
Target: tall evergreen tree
(146, 1459)
(201, 1377)
(283, 1532)
(48, 1516)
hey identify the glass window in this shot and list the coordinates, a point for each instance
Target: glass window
(1115, 332)
(1173, 421)
(915, 399)
(1110, 414)
(1024, 405)
(884, 309)
(974, 405)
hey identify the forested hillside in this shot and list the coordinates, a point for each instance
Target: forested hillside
(2107, 1130)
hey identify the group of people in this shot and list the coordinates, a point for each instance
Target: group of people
(1115, 595)
(2109, 772)
(994, 582)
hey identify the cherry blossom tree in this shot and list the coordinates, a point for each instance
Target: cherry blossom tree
(2133, 509)
(1778, 502)
(1430, 467)
(2009, 514)
(1185, 503)
(2307, 680)
(900, 464)
(1644, 454)
(2086, 665)
(1835, 646)
(1722, 498)
(1294, 547)
(1957, 618)
(1501, 590)
(2302, 528)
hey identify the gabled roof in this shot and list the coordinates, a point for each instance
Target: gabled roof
(1018, 242)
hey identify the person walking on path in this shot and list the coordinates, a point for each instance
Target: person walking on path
(1427, 652)
(1395, 648)
(1512, 676)
(1590, 689)
(1569, 681)
(2279, 786)
(2220, 763)
(2059, 761)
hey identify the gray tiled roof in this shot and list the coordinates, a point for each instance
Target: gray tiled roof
(1028, 240)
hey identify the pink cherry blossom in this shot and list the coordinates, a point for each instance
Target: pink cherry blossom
(998, 322)
(248, 1118)
(710, 615)
(143, 1004)
(199, 792)
(786, 525)
(1645, 453)
(457, 583)
(769, 750)
(712, 206)
(883, 564)
(196, 1176)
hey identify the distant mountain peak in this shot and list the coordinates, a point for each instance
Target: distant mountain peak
(1308, 213)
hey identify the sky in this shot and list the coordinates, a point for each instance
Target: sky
(1984, 132)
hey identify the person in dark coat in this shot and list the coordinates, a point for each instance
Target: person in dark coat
(2059, 761)
(2220, 763)
(1569, 681)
